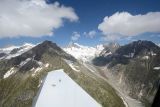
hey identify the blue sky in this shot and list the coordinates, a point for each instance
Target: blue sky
(91, 13)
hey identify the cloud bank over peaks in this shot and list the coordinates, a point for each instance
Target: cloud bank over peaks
(125, 24)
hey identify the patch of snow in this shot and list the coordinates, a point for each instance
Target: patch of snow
(106, 54)
(37, 70)
(39, 63)
(28, 45)
(24, 62)
(32, 69)
(146, 57)
(71, 64)
(13, 55)
(9, 73)
(156, 68)
(140, 94)
(132, 55)
(127, 56)
(74, 67)
(40, 83)
(124, 102)
(59, 90)
(47, 65)
(152, 53)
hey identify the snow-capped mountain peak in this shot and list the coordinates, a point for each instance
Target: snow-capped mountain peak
(7, 49)
(13, 51)
(83, 53)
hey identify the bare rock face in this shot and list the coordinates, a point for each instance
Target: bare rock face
(2, 55)
(137, 65)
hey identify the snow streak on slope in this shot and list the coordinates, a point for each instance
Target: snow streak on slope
(59, 90)
(9, 73)
(24, 62)
(156, 68)
(83, 53)
(72, 65)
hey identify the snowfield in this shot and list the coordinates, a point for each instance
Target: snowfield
(59, 90)
(83, 53)
(21, 49)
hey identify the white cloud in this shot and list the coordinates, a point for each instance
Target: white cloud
(90, 34)
(75, 36)
(34, 18)
(111, 37)
(126, 24)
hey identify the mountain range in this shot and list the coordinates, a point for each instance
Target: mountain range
(21, 75)
(134, 68)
